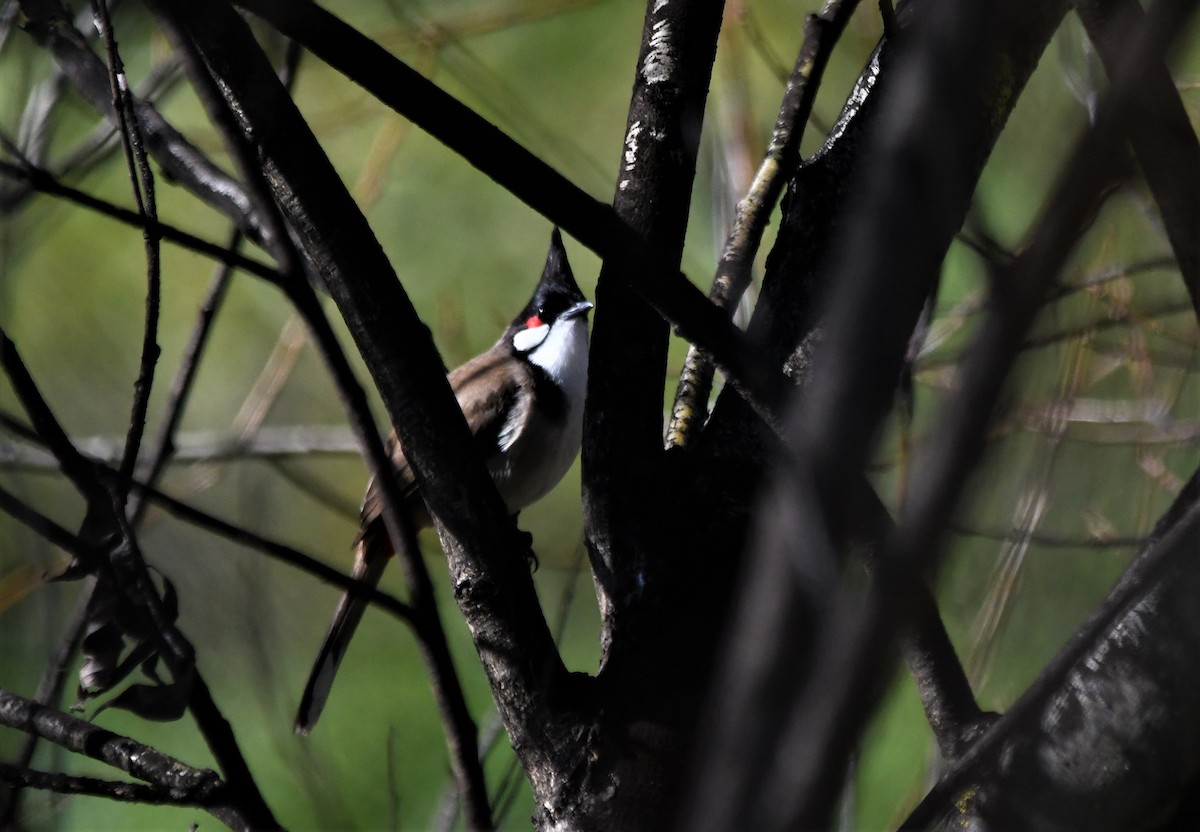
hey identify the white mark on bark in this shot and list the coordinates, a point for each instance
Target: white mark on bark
(631, 147)
(659, 62)
(857, 98)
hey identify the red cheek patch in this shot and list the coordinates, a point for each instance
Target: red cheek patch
(533, 322)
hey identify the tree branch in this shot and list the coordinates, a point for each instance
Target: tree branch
(789, 713)
(1111, 718)
(165, 443)
(275, 442)
(821, 34)
(211, 523)
(128, 755)
(44, 526)
(622, 434)
(1161, 131)
(24, 777)
(121, 561)
(183, 783)
(53, 29)
(199, 48)
(44, 182)
(142, 180)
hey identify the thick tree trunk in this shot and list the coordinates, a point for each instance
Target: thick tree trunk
(640, 741)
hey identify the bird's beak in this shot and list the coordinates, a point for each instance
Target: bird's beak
(578, 309)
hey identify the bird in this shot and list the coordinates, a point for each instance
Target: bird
(523, 401)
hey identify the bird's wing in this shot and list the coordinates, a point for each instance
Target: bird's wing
(490, 389)
(370, 521)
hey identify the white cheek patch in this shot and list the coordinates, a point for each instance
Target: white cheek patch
(528, 339)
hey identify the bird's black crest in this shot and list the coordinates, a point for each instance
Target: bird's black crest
(556, 291)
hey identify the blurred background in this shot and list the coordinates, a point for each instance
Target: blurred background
(1096, 436)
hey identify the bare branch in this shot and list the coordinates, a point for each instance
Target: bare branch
(276, 550)
(171, 777)
(273, 442)
(1123, 689)
(821, 34)
(915, 126)
(44, 526)
(622, 435)
(93, 149)
(123, 563)
(44, 182)
(222, 101)
(1163, 139)
(128, 755)
(165, 445)
(142, 180)
(24, 777)
(54, 30)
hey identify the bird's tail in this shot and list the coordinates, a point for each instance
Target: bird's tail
(368, 567)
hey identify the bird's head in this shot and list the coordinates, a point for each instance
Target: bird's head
(557, 307)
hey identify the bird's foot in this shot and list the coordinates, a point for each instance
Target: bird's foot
(525, 541)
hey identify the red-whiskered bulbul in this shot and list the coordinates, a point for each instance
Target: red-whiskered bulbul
(523, 400)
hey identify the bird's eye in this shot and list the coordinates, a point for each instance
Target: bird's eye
(532, 322)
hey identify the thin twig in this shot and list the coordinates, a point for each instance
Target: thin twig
(95, 148)
(1046, 541)
(181, 388)
(16, 508)
(317, 489)
(821, 34)
(245, 537)
(45, 182)
(49, 692)
(24, 777)
(1160, 129)
(273, 442)
(127, 569)
(278, 551)
(142, 180)
(54, 30)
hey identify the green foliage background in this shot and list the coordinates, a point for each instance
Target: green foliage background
(556, 75)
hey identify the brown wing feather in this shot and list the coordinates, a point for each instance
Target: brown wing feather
(371, 516)
(487, 416)
(496, 405)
